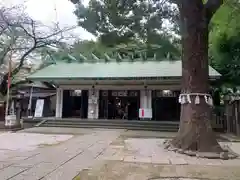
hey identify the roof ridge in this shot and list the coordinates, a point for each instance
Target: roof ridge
(116, 62)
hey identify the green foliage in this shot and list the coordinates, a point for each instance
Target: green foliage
(127, 28)
(227, 58)
(91, 51)
(120, 21)
(87, 48)
(225, 43)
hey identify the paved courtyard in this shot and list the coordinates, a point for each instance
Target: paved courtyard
(97, 154)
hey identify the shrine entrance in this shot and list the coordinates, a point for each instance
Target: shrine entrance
(165, 105)
(119, 104)
(75, 104)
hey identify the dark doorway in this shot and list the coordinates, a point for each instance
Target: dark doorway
(119, 104)
(84, 105)
(66, 111)
(103, 105)
(165, 106)
(75, 104)
(133, 104)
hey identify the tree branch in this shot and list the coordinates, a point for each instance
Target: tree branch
(211, 7)
(16, 70)
(20, 36)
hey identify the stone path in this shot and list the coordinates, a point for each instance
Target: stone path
(150, 150)
(103, 155)
(119, 170)
(146, 159)
(54, 162)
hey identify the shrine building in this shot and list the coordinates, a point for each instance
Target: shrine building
(116, 90)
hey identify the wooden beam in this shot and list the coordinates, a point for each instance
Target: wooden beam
(121, 87)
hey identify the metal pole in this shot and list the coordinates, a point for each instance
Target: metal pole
(7, 104)
(8, 88)
(30, 102)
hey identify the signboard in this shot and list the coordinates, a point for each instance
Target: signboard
(10, 120)
(119, 93)
(76, 93)
(125, 93)
(145, 113)
(165, 93)
(132, 93)
(39, 108)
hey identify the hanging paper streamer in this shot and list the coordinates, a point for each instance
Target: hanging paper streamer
(186, 98)
(189, 98)
(183, 100)
(210, 101)
(197, 100)
(206, 99)
(180, 99)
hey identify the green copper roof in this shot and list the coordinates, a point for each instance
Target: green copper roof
(147, 69)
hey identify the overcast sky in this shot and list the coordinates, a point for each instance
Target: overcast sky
(44, 11)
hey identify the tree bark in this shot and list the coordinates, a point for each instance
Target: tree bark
(195, 131)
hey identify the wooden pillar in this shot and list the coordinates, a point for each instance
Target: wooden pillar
(93, 104)
(59, 103)
(149, 99)
(143, 99)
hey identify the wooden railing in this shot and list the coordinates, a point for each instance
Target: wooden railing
(219, 119)
(227, 118)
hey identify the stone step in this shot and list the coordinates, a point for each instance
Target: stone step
(111, 124)
(116, 121)
(119, 124)
(162, 129)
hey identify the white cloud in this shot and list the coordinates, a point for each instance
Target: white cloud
(52, 11)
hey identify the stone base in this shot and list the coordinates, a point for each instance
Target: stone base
(14, 127)
(12, 123)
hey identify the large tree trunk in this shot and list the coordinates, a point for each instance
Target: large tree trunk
(195, 133)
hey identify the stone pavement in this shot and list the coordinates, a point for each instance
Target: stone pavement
(53, 161)
(119, 170)
(145, 159)
(150, 150)
(101, 154)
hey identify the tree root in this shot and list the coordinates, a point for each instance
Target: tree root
(226, 153)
